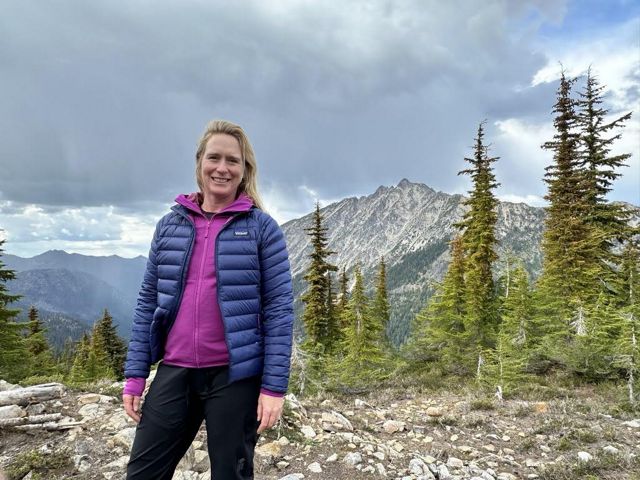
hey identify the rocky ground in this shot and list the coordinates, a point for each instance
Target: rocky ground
(388, 434)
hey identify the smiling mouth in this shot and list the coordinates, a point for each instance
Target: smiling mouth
(220, 180)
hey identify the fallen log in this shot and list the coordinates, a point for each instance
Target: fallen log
(33, 394)
(12, 422)
(47, 426)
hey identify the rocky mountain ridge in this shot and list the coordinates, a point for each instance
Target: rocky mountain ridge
(411, 225)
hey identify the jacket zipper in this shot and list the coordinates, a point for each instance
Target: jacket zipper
(198, 287)
(184, 270)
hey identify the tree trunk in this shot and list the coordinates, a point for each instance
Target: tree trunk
(33, 394)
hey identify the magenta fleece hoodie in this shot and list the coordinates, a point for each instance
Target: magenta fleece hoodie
(196, 339)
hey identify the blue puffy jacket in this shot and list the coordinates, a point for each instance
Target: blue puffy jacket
(254, 294)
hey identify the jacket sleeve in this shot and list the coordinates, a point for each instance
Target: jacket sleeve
(277, 307)
(138, 362)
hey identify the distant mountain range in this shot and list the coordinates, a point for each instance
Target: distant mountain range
(71, 290)
(409, 224)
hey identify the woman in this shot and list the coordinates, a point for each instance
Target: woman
(216, 306)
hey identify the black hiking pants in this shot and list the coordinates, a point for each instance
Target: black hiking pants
(178, 400)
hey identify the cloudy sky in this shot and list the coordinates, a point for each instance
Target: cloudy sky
(102, 102)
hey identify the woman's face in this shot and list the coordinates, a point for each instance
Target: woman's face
(222, 167)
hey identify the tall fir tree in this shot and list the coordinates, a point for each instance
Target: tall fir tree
(319, 326)
(109, 348)
(363, 361)
(600, 169)
(568, 282)
(479, 243)
(13, 351)
(41, 358)
(380, 306)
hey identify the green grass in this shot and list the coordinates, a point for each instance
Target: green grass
(583, 436)
(604, 466)
(475, 422)
(482, 404)
(527, 444)
(42, 465)
(563, 444)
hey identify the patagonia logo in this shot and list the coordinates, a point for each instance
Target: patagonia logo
(241, 233)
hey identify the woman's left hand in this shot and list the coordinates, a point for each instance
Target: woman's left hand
(269, 411)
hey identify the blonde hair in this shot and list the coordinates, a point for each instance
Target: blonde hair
(249, 183)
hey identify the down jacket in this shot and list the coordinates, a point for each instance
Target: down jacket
(254, 294)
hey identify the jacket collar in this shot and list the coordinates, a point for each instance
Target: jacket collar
(192, 202)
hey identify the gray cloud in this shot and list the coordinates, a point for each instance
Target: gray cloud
(101, 103)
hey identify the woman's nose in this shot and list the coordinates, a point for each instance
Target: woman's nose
(222, 166)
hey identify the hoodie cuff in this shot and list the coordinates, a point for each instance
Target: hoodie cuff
(134, 386)
(271, 394)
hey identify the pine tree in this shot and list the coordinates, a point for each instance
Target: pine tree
(516, 311)
(109, 349)
(41, 358)
(13, 352)
(38, 343)
(610, 220)
(78, 371)
(438, 331)
(568, 281)
(317, 323)
(479, 243)
(381, 302)
(363, 360)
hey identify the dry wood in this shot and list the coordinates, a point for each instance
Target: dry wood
(48, 417)
(33, 394)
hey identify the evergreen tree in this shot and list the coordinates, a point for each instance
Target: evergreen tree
(109, 349)
(40, 356)
(628, 343)
(516, 311)
(479, 242)
(568, 281)
(381, 301)
(600, 167)
(78, 371)
(438, 331)
(363, 360)
(13, 352)
(35, 336)
(317, 322)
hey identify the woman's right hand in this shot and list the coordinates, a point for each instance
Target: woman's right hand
(132, 406)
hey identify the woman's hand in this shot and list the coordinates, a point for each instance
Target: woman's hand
(132, 406)
(269, 411)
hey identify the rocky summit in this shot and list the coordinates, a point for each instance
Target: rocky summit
(51, 432)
